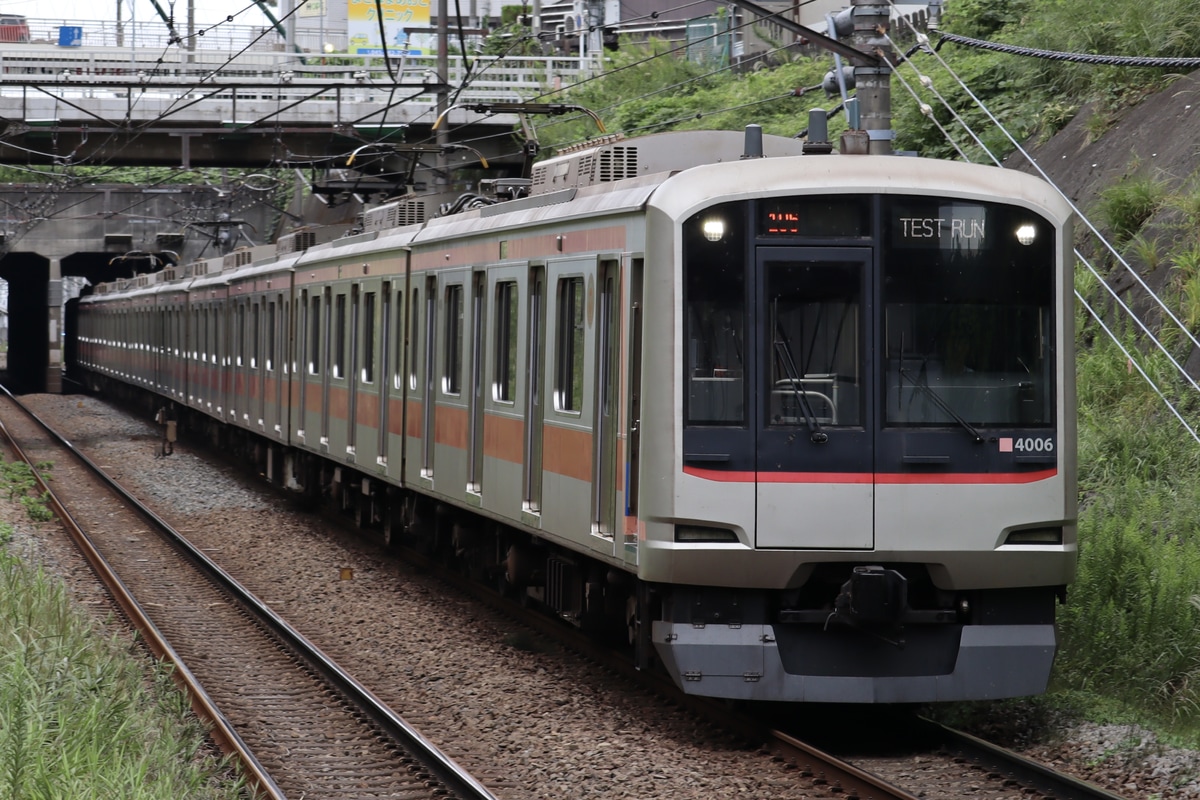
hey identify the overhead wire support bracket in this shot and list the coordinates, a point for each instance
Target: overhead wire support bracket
(554, 109)
(415, 149)
(819, 39)
(169, 21)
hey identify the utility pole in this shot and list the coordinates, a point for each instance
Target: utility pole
(441, 178)
(191, 31)
(289, 24)
(873, 81)
(122, 6)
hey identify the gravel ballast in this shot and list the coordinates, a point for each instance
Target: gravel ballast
(533, 722)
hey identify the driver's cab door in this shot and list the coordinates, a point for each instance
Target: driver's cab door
(814, 440)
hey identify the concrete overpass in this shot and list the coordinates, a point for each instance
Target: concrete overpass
(283, 113)
(120, 106)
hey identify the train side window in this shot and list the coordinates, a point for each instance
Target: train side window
(505, 382)
(213, 334)
(314, 348)
(452, 364)
(568, 373)
(368, 366)
(397, 360)
(239, 321)
(339, 333)
(270, 336)
(286, 358)
(414, 311)
(256, 334)
(194, 326)
(301, 358)
(204, 340)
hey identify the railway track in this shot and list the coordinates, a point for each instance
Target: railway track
(936, 770)
(299, 725)
(945, 764)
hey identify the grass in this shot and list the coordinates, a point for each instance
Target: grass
(1125, 206)
(1130, 632)
(82, 714)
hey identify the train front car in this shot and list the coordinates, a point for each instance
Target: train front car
(860, 484)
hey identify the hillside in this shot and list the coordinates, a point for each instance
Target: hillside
(1157, 137)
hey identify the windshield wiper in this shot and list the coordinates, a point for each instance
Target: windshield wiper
(943, 405)
(784, 352)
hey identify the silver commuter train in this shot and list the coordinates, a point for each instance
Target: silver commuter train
(801, 425)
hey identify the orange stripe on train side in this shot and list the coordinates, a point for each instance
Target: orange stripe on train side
(339, 402)
(450, 426)
(568, 452)
(396, 415)
(893, 478)
(366, 410)
(504, 438)
(312, 395)
(413, 418)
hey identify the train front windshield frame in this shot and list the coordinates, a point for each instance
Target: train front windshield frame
(968, 314)
(958, 305)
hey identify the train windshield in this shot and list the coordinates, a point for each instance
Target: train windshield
(968, 292)
(892, 311)
(717, 355)
(812, 309)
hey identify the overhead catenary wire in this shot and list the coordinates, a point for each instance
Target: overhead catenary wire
(1168, 62)
(1083, 260)
(1033, 162)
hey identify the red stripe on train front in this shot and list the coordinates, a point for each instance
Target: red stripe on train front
(870, 477)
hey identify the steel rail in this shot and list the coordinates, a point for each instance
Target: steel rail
(221, 731)
(1025, 770)
(456, 779)
(823, 768)
(841, 775)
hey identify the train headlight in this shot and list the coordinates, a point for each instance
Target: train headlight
(1026, 234)
(713, 229)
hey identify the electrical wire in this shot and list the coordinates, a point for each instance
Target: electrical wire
(643, 61)
(703, 114)
(387, 61)
(668, 52)
(1017, 145)
(1083, 259)
(1077, 58)
(672, 87)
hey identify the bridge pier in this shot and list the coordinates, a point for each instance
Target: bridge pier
(28, 321)
(54, 310)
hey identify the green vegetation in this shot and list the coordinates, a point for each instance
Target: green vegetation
(1131, 630)
(81, 714)
(687, 96)
(1126, 206)
(20, 480)
(1033, 97)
